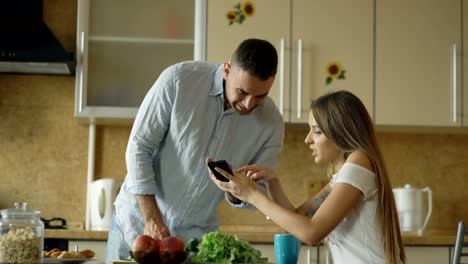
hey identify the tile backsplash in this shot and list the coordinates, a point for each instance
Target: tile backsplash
(44, 150)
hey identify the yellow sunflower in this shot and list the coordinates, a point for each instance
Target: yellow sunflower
(231, 16)
(248, 8)
(334, 70)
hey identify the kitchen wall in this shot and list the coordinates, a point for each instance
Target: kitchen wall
(44, 150)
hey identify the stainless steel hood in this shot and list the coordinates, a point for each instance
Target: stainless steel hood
(27, 45)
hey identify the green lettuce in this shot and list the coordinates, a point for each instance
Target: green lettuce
(226, 249)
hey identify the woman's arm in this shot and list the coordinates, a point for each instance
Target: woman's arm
(277, 194)
(274, 188)
(309, 207)
(333, 210)
(341, 199)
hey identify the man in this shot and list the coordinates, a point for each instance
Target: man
(193, 112)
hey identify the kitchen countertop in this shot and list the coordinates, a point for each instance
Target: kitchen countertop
(264, 234)
(76, 234)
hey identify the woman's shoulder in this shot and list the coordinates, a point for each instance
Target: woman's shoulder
(359, 158)
(359, 172)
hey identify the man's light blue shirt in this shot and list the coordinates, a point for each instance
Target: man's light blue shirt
(180, 123)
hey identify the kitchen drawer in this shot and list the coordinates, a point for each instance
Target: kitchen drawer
(317, 254)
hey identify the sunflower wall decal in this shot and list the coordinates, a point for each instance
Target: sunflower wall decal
(334, 71)
(240, 12)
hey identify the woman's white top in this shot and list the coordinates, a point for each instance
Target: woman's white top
(358, 238)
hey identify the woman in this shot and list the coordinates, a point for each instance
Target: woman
(356, 210)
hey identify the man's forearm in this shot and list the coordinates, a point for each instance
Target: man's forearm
(154, 224)
(149, 209)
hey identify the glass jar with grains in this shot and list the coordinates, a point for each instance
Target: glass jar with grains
(21, 235)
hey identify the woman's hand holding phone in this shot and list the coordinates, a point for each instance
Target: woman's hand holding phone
(220, 164)
(235, 184)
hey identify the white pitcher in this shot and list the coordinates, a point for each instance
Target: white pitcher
(409, 203)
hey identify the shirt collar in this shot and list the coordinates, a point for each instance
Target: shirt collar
(217, 87)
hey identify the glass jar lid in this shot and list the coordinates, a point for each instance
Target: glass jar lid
(20, 211)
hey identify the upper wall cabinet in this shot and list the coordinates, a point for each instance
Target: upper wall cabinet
(122, 47)
(418, 63)
(326, 32)
(308, 35)
(269, 20)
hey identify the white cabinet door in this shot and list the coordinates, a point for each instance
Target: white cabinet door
(122, 47)
(418, 62)
(307, 254)
(336, 30)
(270, 21)
(465, 65)
(331, 31)
(427, 255)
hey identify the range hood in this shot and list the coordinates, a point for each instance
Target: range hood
(27, 45)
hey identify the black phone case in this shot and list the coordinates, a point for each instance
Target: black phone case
(220, 164)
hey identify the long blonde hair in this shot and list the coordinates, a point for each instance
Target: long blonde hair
(343, 118)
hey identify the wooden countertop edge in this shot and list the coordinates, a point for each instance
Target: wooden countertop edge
(76, 234)
(262, 234)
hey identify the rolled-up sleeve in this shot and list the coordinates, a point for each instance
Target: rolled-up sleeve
(149, 129)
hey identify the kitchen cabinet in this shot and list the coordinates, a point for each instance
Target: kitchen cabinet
(465, 64)
(268, 250)
(427, 254)
(99, 247)
(122, 47)
(414, 254)
(270, 21)
(308, 35)
(331, 31)
(418, 63)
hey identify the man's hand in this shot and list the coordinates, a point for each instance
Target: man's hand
(154, 225)
(156, 230)
(231, 197)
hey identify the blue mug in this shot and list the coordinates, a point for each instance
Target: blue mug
(287, 248)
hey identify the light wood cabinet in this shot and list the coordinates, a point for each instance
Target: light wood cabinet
(418, 63)
(427, 254)
(465, 64)
(307, 35)
(307, 254)
(331, 31)
(122, 47)
(271, 21)
(414, 254)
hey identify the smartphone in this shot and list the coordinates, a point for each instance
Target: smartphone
(220, 164)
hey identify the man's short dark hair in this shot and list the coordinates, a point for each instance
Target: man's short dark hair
(256, 56)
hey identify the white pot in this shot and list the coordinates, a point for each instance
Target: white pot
(102, 196)
(410, 206)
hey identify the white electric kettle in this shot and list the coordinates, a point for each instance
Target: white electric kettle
(102, 196)
(409, 203)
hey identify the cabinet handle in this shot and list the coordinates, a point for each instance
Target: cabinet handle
(81, 85)
(454, 82)
(281, 106)
(201, 10)
(299, 78)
